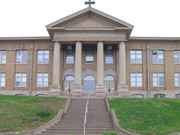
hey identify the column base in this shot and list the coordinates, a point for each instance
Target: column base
(77, 91)
(122, 90)
(100, 91)
(55, 91)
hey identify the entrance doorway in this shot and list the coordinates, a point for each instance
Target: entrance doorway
(89, 84)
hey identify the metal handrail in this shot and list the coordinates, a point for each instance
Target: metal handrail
(85, 115)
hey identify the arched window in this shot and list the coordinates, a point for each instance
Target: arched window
(177, 95)
(159, 96)
(109, 82)
(69, 82)
(89, 83)
(137, 96)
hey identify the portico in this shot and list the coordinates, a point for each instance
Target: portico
(90, 26)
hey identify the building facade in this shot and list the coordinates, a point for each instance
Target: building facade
(90, 52)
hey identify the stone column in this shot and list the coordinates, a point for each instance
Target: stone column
(100, 88)
(77, 89)
(122, 87)
(55, 87)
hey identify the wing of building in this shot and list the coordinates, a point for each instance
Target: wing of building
(90, 52)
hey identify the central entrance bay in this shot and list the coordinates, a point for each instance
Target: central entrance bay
(89, 83)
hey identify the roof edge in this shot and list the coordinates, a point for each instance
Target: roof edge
(155, 38)
(24, 38)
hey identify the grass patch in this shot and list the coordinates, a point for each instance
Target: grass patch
(148, 116)
(23, 113)
(110, 133)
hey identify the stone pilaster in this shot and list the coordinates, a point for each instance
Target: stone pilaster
(55, 88)
(78, 89)
(100, 88)
(122, 89)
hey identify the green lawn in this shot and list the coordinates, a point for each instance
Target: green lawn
(148, 116)
(22, 113)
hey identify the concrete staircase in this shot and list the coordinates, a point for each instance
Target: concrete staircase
(98, 119)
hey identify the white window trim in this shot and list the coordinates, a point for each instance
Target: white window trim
(158, 58)
(136, 57)
(21, 80)
(1, 80)
(1, 54)
(43, 54)
(42, 82)
(159, 81)
(137, 80)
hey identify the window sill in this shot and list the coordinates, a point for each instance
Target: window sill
(158, 86)
(69, 63)
(109, 63)
(41, 87)
(136, 63)
(20, 86)
(89, 63)
(42, 63)
(136, 86)
(157, 64)
(21, 63)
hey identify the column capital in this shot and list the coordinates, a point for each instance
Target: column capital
(79, 42)
(124, 41)
(55, 41)
(100, 42)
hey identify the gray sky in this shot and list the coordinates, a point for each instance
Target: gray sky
(156, 18)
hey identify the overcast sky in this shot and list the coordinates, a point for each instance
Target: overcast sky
(155, 18)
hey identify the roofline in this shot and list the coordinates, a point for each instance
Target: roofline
(48, 38)
(155, 38)
(24, 38)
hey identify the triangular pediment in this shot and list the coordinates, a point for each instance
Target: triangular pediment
(89, 19)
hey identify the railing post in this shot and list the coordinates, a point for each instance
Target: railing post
(85, 116)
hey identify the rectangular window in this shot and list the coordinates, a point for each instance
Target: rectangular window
(136, 80)
(176, 57)
(2, 57)
(21, 57)
(177, 79)
(136, 56)
(69, 56)
(109, 57)
(2, 79)
(158, 79)
(20, 79)
(158, 58)
(42, 80)
(43, 57)
(89, 56)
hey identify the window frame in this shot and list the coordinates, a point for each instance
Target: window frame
(110, 54)
(158, 79)
(43, 56)
(3, 77)
(178, 56)
(136, 56)
(158, 57)
(136, 80)
(42, 80)
(68, 50)
(21, 79)
(22, 55)
(178, 77)
(1, 56)
(90, 55)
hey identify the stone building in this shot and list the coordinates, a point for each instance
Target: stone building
(90, 52)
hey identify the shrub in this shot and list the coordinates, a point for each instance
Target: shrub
(43, 112)
(110, 133)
